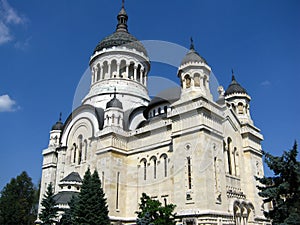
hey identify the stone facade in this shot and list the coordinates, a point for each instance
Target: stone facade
(186, 149)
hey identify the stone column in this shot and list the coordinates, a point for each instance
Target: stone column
(96, 74)
(142, 77)
(118, 70)
(127, 70)
(109, 70)
(101, 73)
(134, 74)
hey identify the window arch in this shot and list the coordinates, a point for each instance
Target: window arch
(165, 159)
(144, 163)
(197, 80)
(229, 148)
(188, 81)
(154, 159)
(240, 108)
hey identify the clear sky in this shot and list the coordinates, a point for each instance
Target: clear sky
(45, 48)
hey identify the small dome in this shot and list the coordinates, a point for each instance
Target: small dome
(235, 87)
(58, 125)
(114, 103)
(121, 37)
(192, 56)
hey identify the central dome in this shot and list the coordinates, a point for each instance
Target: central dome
(121, 37)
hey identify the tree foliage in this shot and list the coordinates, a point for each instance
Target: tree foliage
(17, 201)
(89, 207)
(49, 211)
(152, 212)
(282, 189)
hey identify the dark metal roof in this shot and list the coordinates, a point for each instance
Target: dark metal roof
(64, 197)
(74, 176)
(114, 103)
(192, 55)
(235, 87)
(58, 125)
(121, 37)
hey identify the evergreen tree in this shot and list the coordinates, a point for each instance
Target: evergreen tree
(69, 216)
(17, 201)
(91, 206)
(282, 189)
(153, 213)
(49, 211)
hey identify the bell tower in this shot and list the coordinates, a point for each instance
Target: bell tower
(194, 74)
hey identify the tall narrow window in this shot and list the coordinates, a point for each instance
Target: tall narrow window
(79, 149)
(74, 153)
(229, 155)
(166, 165)
(189, 172)
(117, 195)
(165, 201)
(154, 167)
(145, 170)
(85, 151)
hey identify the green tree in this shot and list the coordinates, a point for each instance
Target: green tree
(49, 211)
(69, 216)
(91, 207)
(17, 201)
(282, 189)
(153, 213)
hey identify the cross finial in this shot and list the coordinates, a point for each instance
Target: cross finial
(115, 90)
(232, 74)
(192, 44)
(123, 3)
(60, 114)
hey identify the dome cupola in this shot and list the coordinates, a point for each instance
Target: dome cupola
(194, 74)
(114, 103)
(235, 87)
(58, 125)
(119, 60)
(192, 56)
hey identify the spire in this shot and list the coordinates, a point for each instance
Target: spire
(122, 19)
(232, 74)
(192, 47)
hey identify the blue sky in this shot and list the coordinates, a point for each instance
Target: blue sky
(45, 48)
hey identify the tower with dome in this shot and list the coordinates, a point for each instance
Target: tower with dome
(180, 147)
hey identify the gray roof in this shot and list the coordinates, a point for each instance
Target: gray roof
(114, 103)
(121, 37)
(235, 87)
(192, 55)
(64, 197)
(74, 176)
(58, 125)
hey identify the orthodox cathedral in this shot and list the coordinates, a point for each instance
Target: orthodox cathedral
(180, 147)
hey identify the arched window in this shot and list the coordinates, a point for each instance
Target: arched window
(165, 159)
(229, 146)
(153, 112)
(74, 152)
(86, 147)
(113, 118)
(159, 110)
(189, 172)
(240, 108)
(153, 158)
(187, 81)
(165, 109)
(80, 145)
(197, 80)
(145, 169)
